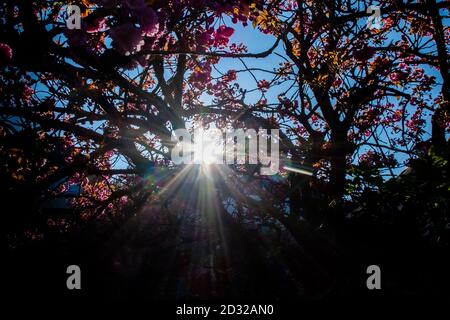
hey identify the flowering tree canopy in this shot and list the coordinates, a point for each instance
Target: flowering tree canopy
(88, 114)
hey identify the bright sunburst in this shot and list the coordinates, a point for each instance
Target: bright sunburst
(208, 147)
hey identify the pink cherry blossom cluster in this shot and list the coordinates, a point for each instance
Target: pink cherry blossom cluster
(5, 52)
(133, 26)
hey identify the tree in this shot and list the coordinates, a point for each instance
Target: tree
(87, 115)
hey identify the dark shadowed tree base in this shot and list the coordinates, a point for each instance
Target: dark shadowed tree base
(142, 261)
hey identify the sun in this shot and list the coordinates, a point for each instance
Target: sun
(208, 147)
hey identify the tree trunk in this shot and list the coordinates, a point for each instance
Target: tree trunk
(340, 148)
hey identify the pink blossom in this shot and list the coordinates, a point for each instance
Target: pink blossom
(231, 75)
(222, 35)
(394, 77)
(204, 38)
(417, 73)
(5, 52)
(337, 82)
(27, 92)
(225, 31)
(403, 66)
(201, 76)
(126, 38)
(123, 200)
(263, 85)
(148, 19)
(61, 188)
(95, 25)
